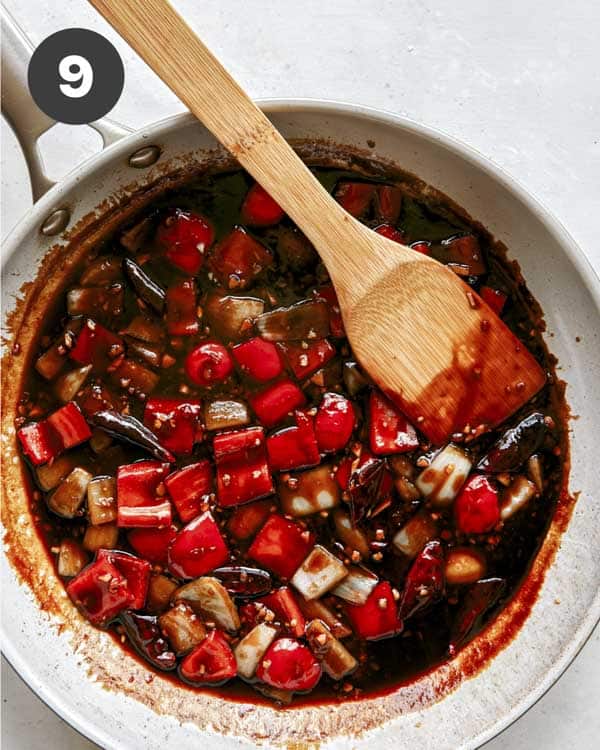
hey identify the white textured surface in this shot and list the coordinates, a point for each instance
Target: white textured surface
(519, 80)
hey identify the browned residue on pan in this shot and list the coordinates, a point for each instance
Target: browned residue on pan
(296, 729)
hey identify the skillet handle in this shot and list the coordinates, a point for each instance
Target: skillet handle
(24, 116)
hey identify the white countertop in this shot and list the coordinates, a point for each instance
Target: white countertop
(519, 80)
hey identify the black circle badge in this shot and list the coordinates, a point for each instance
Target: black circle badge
(76, 76)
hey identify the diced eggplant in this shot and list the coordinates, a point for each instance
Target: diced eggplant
(145, 636)
(145, 287)
(51, 362)
(68, 385)
(535, 471)
(100, 441)
(352, 536)
(151, 354)
(232, 317)
(356, 586)
(135, 375)
(102, 500)
(401, 466)
(319, 573)
(145, 329)
(295, 249)
(68, 498)
(131, 430)
(72, 559)
(251, 649)
(51, 475)
(105, 536)
(104, 270)
(354, 378)
(479, 599)
(516, 497)
(307, 320)
(209, 598)
(464, 565)
(160, 590)
(442, 480)
(308, 492)
(317, 609)
(99, 301)
(223, 414)
(183, 628)
(415, 534)
(515, 446)
(335, 658)
(136, 236)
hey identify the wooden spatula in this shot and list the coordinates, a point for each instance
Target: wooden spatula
(423, 336)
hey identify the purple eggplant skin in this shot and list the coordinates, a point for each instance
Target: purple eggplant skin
(243, 582)
(145, 636)
(145, 287)
(515, 446)
(477, 601)
(131, 430)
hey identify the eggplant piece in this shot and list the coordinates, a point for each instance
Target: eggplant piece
(354, 378)
(477, 601)
(146, 288)
(183, 628)
(208, 597)
(102, 500)
(295, 249)
(135, 376)
(415, 534)
(67, 386)
(68, 497)
(319, 610)
(535, 471)
(145, 329)
(515, 446)
(307, 320)
(243, 582)
(351, 536)
(251, 649)
(137, 235)
(104, 270)
(100, 441)
(97, 301)
(308, 492)
(223, 414)
(442, 480)
(464, 565)
(105, 536)
(335, 658)
(356, 586)
(50, 475)
(152, 355)
(320, 572)
(232, 317)
(51, 362)
(516, 496)
(160, 591)
(72, 559)
(131, 430)
(145, 636)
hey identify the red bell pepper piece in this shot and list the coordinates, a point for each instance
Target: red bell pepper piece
(388, 203)
(494, 298)
(287, 611)
(336, 324)
(210, 663)
(425, 580)
(138, 501)
(289, 665)
(242, 468)
(39, 442)
(69, 424)
(176, 422)
(304, 360)
(135, 570)
(182, 313)
(208, 363)
(94, 345)
(275, 402)
(238, 259)
(186, 237)
(476, 508)
(152, 544)
(294, 447)
(421, 246)
(387, 230)
(355, 197)
(259, 209)
(189, 488)
(246, 520)
(334, 423)
(100, 591)
(259, 359)
(378, 616)
(389, 430)
(198, 548)
(281, 546)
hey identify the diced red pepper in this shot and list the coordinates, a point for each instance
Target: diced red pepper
(176, 422)
(138, 500)
(336, 324)
(476, 508)
(259, 209)
(198, 548)
(242, 469)
(421, 247)
(246, 520)
(95, 344)
(276, 401)
(258, 359)
(152, 544)
(211, 662)
(387, 230)
(388, 203)
(182, 313)
(389, 430)
(283, 603)
(494, 298)
(425, 580)
(69, 424)
(39, 442)
(334, 422)
(100, 591)
(304, 360)
(186, 237)
(289, 665)
(355, 197)
(189, 488)
(294, 447)
(378, 616)
(135, 570)
(238, 259)
(208, 363)
(281, 546)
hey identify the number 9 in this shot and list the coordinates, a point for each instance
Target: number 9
(83, 74)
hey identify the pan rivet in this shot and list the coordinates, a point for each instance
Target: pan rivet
(144, 157)
(55, 222)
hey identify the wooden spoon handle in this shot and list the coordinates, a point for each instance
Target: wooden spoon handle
(168, 45)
